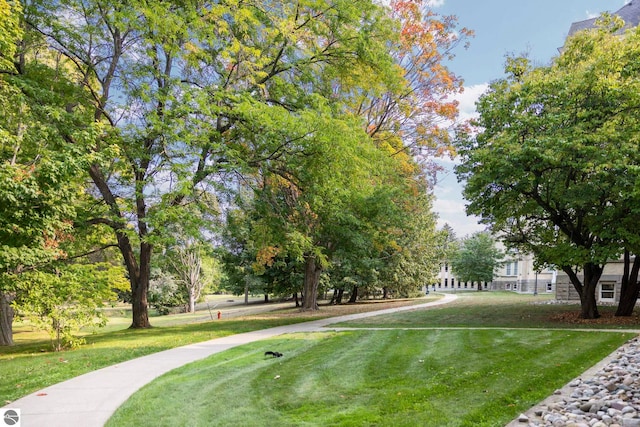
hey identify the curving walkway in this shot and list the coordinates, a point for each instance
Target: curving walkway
(90, 399)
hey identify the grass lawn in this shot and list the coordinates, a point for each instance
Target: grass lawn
(501, 310)
(402, 376)
(30, 365)
(372, 378)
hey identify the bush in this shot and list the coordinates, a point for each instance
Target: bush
(165, 294)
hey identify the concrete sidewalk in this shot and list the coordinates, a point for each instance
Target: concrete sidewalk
(90, 399)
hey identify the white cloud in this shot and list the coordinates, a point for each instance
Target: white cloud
(449, 206)
(453, 213)
(449, 203)
(435, 3)
(468, 98)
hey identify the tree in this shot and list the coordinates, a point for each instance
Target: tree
(11, 31)
(187, 265)
(63, 300)
(332, 201)
(553, 167)
(449, 243)
(185, 95)
(414, 118)
(165, 293)
(39, 173)
(477, 259)
(412, 260)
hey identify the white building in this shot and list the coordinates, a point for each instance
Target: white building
(517, 274)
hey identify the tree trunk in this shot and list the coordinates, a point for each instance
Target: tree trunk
(6, 319)
(140, 289)
(586, 288)
(246, 290)
(266, 298)
(354, 294)
(139, 272)
(311, 282)
(295, 298)
(192, 301)
(629, 289)
(385, 292)
(337, 296)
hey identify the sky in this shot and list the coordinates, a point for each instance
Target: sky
(502, 27)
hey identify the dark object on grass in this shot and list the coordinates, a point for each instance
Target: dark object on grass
(272, 353)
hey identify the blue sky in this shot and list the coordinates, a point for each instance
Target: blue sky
(537, 27)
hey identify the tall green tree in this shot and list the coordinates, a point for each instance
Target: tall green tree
(553, 167)
(476, 259)
(187, 95)
(39, 173)
(331, 201)
(413, 258)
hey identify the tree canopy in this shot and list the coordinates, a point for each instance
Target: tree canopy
(314, 117)
(476, 259)
(554, 164)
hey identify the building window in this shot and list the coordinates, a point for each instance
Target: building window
(607, 291)
(507, 286)
(446, 267)
(453, 282)
(512, 268)
(446, 282)
(549, 287)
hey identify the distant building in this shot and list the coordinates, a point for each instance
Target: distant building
(447, 281)
(607, 290)
(517, 274)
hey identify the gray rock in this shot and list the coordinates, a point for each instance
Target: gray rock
(631, 422)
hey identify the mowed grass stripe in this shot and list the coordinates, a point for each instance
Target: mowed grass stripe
(372, 377)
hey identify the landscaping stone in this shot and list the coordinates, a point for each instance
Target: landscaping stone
(609, 398)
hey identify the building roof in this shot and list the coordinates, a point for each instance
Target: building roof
(630, 14)
(581, 25)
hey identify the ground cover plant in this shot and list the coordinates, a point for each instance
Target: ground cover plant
(399, 377)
